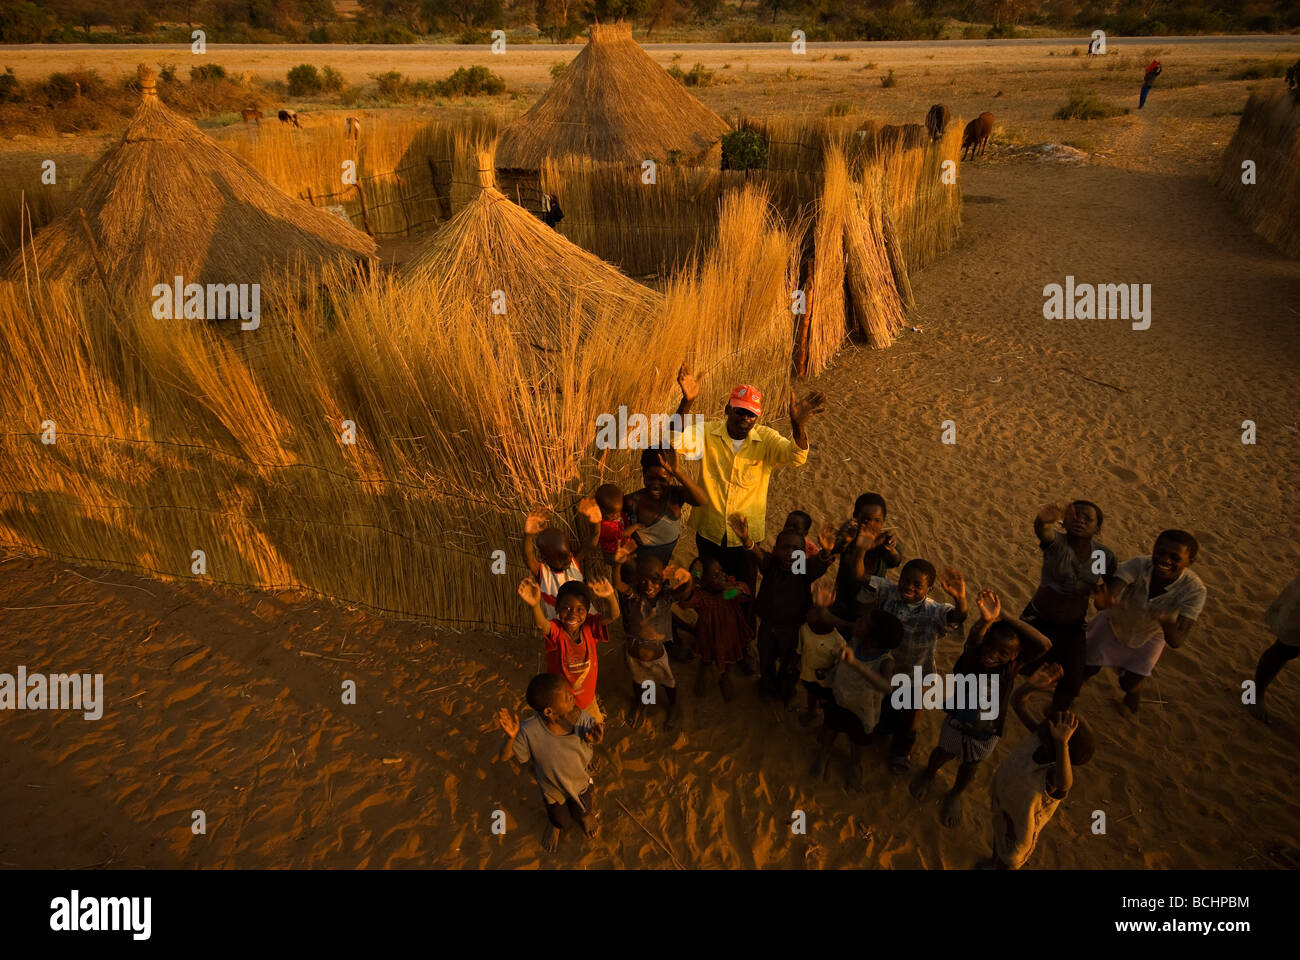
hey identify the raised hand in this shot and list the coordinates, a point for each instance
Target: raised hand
(530, 592)
(990, 605)
(686, 380)
(823, 594)
(1046, 676)
(669, 464)
(624, 551)
(740, 525)
(953, 583)
(590, 509)
(1051, 515)
(535, 523)
(885, 540)
(677, 576)
(826, 539)
(801, 410)
(1062, 726)
(509, 722)
(601, 587)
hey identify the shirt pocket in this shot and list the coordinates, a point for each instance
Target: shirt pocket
(746, 474)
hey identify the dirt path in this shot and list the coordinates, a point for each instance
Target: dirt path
(229, 703)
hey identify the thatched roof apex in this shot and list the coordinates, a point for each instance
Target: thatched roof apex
(549, 283)
(168, 201)
(614, 104)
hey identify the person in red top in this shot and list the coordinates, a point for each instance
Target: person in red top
(572, 636)
(1153, 71)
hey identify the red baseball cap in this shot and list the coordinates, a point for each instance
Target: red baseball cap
(748, 398)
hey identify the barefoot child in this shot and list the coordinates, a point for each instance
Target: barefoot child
(722, 628)
(784, 599)
(996, 650)
(1075, 566)
(924, 621)
(648, 625)
(549, 556)
(572, 636)
(1035, 777)
(1151, 602)
(859, 686)
(557, 739)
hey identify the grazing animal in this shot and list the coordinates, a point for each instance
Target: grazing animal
(353, 128)
(976, 135)
(290, 116)
(251, 114)
(936, 121)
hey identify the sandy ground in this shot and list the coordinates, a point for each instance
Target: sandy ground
(230, 703)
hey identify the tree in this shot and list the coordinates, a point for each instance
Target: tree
(24, 22)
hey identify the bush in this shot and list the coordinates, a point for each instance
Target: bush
(698, 76)
(1081, 107)
(744, 149)
(167, 72)
(469, 82)
(62, 87)
(557, 68)
(331, 81)
(474, 36)
(889, 80)
(9, 87)
(304, 81)
(392, 85)
(207, 71)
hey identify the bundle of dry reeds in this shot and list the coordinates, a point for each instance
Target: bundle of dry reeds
(167, 196)
(1268, 134)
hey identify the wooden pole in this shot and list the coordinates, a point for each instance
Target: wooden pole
(365, 214)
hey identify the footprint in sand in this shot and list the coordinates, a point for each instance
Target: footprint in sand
(1124, 474)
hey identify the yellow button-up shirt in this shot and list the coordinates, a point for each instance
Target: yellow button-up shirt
(735, 480)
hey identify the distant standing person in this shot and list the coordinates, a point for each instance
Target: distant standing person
(738, 456)
(1153, 71)
(1283, 618)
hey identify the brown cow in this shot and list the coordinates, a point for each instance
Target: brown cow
(290, 116)
(936, 121)
(252, 114)
(976, 135)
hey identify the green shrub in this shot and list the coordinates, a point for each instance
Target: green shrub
(744, 149)
(557, 68)
(470, 82)
(392, 85)
(697, 76)
(62, 87)
(9, 87)
(889, 80)
(304, 81)
(331, 81)
(474, 36)
(1082, 107)
(207, 71)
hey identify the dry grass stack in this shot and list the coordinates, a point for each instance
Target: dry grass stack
(172, 439)
(924, 209)
(612, 104)
(168, 201)
(1269, 134)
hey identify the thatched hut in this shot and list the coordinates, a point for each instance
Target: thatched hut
(167, 201)
(518, 273)
(1268, 135)
(612, 104)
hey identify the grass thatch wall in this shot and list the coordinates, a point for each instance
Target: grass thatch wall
(1269, 134)
(173, 437)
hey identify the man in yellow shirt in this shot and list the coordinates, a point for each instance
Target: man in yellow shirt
(737, 457)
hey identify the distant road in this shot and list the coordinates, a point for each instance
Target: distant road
(1262, 40)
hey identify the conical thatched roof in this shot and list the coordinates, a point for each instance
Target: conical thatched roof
(168, 201)
(613, 104)
(547, 284)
